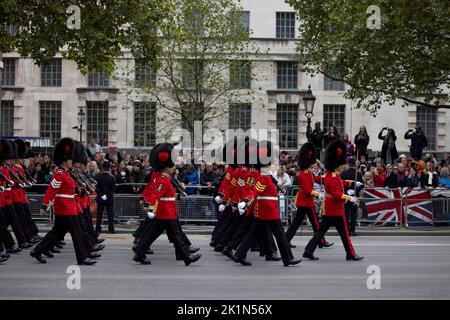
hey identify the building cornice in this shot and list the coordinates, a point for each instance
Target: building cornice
(97, 89)
(13, 88)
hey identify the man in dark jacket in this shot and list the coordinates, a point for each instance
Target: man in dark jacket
(316, 137)
(351, 210)
(418, 142)
(106, 185)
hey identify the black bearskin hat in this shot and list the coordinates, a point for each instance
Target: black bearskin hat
(6, 150)
(229, 152)
(80, 154)
(161, 157)
(251, 153)
(335, 155)
(306, 155)
(265, 153)
(21, 148)
(64, 150)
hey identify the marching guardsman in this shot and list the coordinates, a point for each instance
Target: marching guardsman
(225, 191)
(162, 207)
(62, 192)
(266, 211)
(304, 199)
(333, 204)
(12, 218)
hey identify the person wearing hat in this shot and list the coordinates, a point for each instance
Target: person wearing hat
(351, 210)
(161, 206)
(333, 205)
(267, 215)
(106, 184)
(304, 199)
(62, 192)
(11, 193)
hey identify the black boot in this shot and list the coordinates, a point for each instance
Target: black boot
(218, 248)
(272, 257)
(310, 256)
(3, 259)
(87, 262)
(293, 262)
(192, 259)
(4, 255)
(98, 247)
(150, 251)
(48, 254)
(353, 258)
(326, 245)
(142, 260)
(14, 249)
(242, 261)
(94, 255)
(100, 240)
(227, 251)
(193, 249)
(292, 245)
(26, 245)
(54, 250)
(37, 256)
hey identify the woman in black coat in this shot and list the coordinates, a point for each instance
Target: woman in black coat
(389, 150)
(361, 142)
(429, 177)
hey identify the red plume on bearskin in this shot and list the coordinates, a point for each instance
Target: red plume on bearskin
(64, 150)
(306, 155)
(161, 156)
(335, 155)
(21, 148)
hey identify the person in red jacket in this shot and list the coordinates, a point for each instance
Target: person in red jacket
(162, 207)
(304, 199)
(266, 211)
(62, 192)
(333, 205)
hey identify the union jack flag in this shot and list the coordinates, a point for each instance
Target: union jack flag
(388, 207)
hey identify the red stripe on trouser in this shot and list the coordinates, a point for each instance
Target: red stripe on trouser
(348, 236)
(316, 223)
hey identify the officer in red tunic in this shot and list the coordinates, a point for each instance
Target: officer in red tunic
(62, 192)
(266, 213)
(162, 207)
(304, 199)
(333, 205)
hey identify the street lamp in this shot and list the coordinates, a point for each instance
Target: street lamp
(81, 116)
(309, 100)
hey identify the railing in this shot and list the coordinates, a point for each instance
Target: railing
(379, 207)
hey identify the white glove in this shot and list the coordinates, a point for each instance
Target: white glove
(354, 200)
(241, 207)
(104, 197)
(222, 208)
(151, 215)
(350, 192)
(218, 199)
(359, 184)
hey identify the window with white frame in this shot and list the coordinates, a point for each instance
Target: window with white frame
(50, 120)
(51, 74)
(285, 25)
(287, 75)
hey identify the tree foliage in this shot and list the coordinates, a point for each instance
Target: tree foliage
(407, 58)
(106, 28)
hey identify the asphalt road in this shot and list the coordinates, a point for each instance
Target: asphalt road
(410, 268)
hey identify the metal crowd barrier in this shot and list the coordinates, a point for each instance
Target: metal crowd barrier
(378, 207)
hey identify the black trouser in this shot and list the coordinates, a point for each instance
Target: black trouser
(233, 225)
(217, 226)
(142, 226)
(24, 222)
(88, 240)
(5, 235)
(13, 221)
(90, 227)
(351, 213)
(110, 210)
(259, 227)
(62, 225)
(227, 217)
(241, 232)
(341, 226)
(184, 237)
(300, 216)
(34, 228)
(157, 228)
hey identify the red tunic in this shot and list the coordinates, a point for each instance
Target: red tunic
(24, 198)
(304, 198)
(266, 196)
(240, 176)
(250, 182)
(163, 200)
(16, 191)
(226, 182)
(148, 190)
(7, 194)
(62, 191)
(334, 190)
(231, 187)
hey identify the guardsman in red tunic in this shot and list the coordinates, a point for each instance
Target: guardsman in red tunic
(266, 213)
(225, 191)
(162, 207)
(333, 206)
(304, 199)
(11, 194)
(62, 192)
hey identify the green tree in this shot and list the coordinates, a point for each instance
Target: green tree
(407, 57)
(204, 63)
(106, 28)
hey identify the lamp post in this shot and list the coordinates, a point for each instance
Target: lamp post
(81, 116)
(309, 100)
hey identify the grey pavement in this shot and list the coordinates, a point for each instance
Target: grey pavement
(411, 268)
